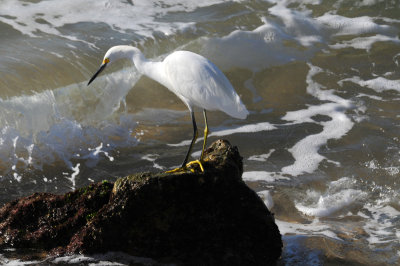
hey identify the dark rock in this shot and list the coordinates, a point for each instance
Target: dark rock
(209, 218)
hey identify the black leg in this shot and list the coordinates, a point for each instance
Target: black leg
(195, 133)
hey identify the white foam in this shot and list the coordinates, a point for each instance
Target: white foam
(365, 42)
(251, 128)
(17, 262)
(305, 152)
(299, 25)
(224, 131)
(262, 176)
(152, 158)
(373, 97)
(381, 223)
(392, 170)
(261, 157)
(379, 84)
(313, 228)
(329, 204)
(340, 194)
(109, 258)
(17, 177)
(302, 2)
(143, 16)
(266, 46)
(98, 150)
(368, 2)
(352, 26)
(74, 174)
(373, 164)
(66, 123)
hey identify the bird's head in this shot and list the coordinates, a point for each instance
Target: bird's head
(106, 60)
(113, 54)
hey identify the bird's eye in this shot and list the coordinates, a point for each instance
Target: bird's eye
(105, 61)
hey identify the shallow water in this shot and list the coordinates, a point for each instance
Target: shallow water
(320, 78)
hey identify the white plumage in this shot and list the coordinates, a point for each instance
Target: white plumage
(192, 77)
(201, 84)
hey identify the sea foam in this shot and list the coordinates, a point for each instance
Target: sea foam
(305, 152)
(378, 84)
(29, 17)
(58, 125)
(225, 131)
(267, 45)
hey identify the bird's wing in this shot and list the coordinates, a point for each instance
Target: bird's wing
(202, 84)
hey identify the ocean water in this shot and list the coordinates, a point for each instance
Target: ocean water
(321, 79)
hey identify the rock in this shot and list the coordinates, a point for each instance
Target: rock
(209, 218)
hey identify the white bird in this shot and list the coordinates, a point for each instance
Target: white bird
(193, 78)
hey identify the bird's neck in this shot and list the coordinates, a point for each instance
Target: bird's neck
(153, 70)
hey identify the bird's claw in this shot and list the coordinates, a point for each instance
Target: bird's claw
(186, 167)
(193, 162)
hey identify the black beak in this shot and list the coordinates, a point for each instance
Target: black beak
(102, 67)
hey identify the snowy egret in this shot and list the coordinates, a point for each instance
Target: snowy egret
(193, 78)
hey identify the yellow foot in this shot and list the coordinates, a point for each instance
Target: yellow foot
(179, 169)
(183, 169)
(193, 162)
